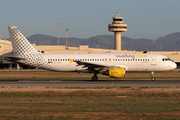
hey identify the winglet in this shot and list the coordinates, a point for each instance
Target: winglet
(71, 60)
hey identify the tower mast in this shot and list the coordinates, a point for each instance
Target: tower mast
(117, 27)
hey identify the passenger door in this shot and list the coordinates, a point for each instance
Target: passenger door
(153, 60)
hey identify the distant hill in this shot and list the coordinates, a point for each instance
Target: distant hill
(107, 42)
(140, 44)
(168, 41)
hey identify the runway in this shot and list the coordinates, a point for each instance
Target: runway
(89, 83)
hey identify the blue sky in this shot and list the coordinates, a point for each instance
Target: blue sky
(86, 18)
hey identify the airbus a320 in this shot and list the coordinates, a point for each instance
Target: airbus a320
(114, 65)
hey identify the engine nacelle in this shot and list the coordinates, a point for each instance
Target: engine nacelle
(115, 72)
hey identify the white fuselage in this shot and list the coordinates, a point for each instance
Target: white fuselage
(131, 62)
(112, 64)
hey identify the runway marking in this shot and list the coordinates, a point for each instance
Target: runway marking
(54, 81)
(24, 81)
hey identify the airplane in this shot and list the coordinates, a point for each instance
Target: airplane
(114, 65)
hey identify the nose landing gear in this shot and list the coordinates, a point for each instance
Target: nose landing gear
(152, 76)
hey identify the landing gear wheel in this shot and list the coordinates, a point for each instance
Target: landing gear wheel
(153, 78)
(94, 78)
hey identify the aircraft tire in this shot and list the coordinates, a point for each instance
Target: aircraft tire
(94, 78)
(153, 78)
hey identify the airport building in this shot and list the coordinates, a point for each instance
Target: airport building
(6, 49)
(117, 27)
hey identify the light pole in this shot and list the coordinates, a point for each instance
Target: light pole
(66, 38)
(175, 45)
(96, 44)
(58, 32)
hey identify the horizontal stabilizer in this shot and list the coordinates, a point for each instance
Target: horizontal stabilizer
(14, 58)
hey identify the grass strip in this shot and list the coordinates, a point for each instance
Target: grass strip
(86, 103)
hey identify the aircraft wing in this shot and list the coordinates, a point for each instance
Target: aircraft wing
(91, 66)
(14, 58)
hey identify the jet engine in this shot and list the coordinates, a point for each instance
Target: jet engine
(115, 72)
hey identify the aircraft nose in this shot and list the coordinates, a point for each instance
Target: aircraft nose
(174, 65)
(171, 66)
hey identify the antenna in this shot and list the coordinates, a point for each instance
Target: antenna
(117, 14)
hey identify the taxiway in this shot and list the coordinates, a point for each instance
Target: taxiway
(89, 83)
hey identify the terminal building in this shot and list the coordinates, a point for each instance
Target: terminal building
(117, 27)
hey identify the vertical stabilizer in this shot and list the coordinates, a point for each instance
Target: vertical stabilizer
(20, 44)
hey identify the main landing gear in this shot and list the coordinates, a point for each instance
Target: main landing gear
(95, 77)
(152, 76)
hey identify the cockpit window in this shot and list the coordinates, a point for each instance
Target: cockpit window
(166, 59)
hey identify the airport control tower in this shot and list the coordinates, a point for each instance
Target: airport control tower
(117, 27)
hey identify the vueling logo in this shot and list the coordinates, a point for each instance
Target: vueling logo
(141, 56)
(125, 56)
(18, 37)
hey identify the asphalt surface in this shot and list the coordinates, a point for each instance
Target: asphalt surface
(89, 83)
